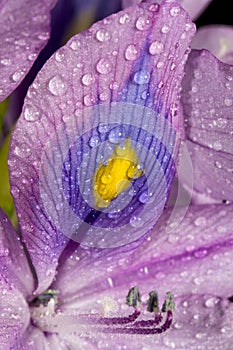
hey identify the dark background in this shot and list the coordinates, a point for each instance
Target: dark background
(218, 12)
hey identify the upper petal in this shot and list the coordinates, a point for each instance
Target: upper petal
(208, 107)
(24, 31)
(194, 8)
(218, 39)
(194, 262)
(96, 98)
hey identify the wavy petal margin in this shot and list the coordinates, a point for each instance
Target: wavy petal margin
(194, 262)
(208, 107)
(95, 93)
(24, 31)
(194, 8)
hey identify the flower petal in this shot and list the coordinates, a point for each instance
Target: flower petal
(218, 39)
(193, 262)
(14, 266)
(24, 31)
(194, 8)
(208, 107)
(80, 112)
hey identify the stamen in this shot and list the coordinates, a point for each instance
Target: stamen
(134, 298)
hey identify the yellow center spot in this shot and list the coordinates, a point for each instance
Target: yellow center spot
(115, 177)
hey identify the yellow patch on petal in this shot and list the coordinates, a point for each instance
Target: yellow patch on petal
(115, 177)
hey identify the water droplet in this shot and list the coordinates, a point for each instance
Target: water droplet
(136, 221)
(143, 198)
(94, 141)
(218, 165)
(59, 56)
(175, 11)
(131, 52)
(102, 35)
(173, 110)
(165, 29)
(154, 7)
(104, 66)
(75, 45)
(103, 96)
(197, 74)
(124, 19)
(57, 86)
(17, 76)
(200, 221)
(143, 23)
(114, 85)
(211, 302)
(88, 79)
(6, 61)
(141, 77)
(117, 134)
(102, 127)
(32, 56)
(217, 145)
(88, 100)
(156, 48)
(31, 113)
(228, 102)
(201, 253)
(114, 215)
(145, 94)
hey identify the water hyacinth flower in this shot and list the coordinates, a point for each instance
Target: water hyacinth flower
(85, 119)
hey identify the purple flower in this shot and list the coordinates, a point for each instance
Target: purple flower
(93, 158)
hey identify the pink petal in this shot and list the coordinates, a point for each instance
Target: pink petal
(69, 92)
(24, 31)
(194, 262)
(14, 266)
(208, 107)
(218, 39)
(194, 8)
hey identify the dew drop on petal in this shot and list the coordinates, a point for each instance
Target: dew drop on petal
(17, 76)
(57, 86)
(124, 19)
(175, 11)
(103, 127)
(88, 79)
(6, 61)
(103, 66)
(156, 48)
(165, 29)
(94, 141)
(88, 100)
(141, 77)
(117, 134)
(143, 23)
(228, 102)
(75, 45)
(102, 35)
(131, 52)
(31, 113)
(143, 198)
(136, 221)
(154, 7)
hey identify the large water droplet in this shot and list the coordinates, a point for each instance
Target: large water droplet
(75, 45)
(17, 76)
(104, 66)
(57, 86)
(156, 48)
(143, 198)
(141, 77)
(88, 100)
(31, 113)
(117, 134)
(94, 141)
(131, 52)
(103, 35)
(88, 79)
(143, 23)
